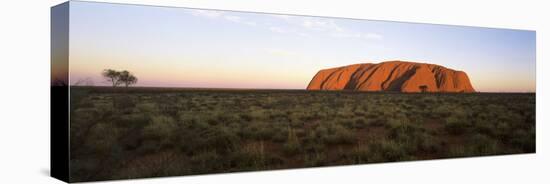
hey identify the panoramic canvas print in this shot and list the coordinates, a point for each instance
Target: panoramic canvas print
(164, 91)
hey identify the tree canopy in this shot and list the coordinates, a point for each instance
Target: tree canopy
(116, 78)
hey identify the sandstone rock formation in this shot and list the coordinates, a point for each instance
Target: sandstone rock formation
(397, 76)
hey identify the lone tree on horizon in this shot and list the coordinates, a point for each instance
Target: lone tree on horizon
(112, 76)
(423, 88)
(119, 77)
(127, 78)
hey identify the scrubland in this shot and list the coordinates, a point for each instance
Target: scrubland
(148, 132)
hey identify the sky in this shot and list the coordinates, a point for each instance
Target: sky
(182, 47)
(60, 48)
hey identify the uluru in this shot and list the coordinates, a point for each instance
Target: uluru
(396, 76)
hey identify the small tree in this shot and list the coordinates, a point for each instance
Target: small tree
(423, 88)
(112, 76)
(127, 78)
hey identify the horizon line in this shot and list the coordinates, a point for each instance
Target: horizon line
(295, 89)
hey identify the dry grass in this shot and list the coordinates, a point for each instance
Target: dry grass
(144, 132)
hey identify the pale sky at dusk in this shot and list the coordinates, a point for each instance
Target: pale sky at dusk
(180, 47)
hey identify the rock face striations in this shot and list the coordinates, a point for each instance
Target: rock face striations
(396, 76)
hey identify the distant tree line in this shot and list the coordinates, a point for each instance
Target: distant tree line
(117, 78)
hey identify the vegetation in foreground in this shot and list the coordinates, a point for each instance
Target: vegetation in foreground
(149, 132)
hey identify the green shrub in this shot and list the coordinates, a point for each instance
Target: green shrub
(312, 143)
(207, 162)
(223, 118)
(355, 123)
(524, 140)
(221, 139)
(321, 131)
(148, 146)
(338, 134)
(314, 160)
(292, 145)
(86, 104)
(257, 113)
(147, 107)
(412, 138)
(461, 151)
(503, 131)
(132, 121)
(194, 122)
(390, 150)
(442, 111)
(124, 102)
(484, 145)
(103, 137)
(397, 121)
(361, 154)
(280, 134)
(432, 145)
(377, 122)
(253, 156)
(258, 131)
(485, 127)
(360, 122)
(456, 125)
(245, 117)
(404, 131)
(160, 127)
